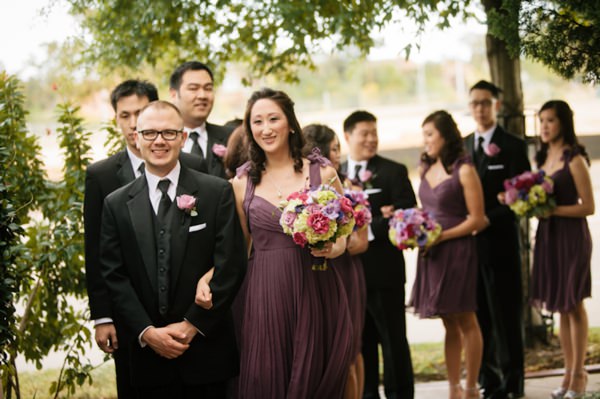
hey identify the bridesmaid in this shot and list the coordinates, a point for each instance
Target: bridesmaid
(445, 284)
(561, 277)
(349, 265)
(295, 327)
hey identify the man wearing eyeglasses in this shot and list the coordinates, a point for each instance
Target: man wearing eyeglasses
(498, 155)
(192, 91)
(102, 178)
(159, 235)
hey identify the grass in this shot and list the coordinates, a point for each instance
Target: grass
(428, 363)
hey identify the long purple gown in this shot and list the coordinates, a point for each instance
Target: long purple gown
(446, 280)
(561, 276)
(295, 327)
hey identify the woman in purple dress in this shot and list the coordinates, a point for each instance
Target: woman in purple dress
(294, 323)
(561, 277)
(349, 265)
(445, 284)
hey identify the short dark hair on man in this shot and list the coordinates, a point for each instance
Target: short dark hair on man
(489, 86)
(356, 117)
(141, 88)
(177, 75)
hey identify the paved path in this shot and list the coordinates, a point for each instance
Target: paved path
(535, 388)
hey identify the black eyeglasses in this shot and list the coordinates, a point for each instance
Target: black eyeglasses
(167, 134)
(484, 103)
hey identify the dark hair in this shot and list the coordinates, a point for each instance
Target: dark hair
(356, 117)
(567, 131)
(453, 148)
(177, 75)
(485, 85)
(233, 123)
(237, 151)
(141, 88)
(295, 139)
(319, 136)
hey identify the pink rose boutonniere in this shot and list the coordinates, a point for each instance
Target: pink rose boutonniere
(187, 203)
(365, 176)
(492, 150)
(219, 150)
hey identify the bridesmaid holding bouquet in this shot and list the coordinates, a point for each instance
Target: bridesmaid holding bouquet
(446, 284)
(561, 277)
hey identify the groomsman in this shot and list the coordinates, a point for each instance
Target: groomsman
(192, 91)
(498, 155)
(389, 188)
(102, 178)
(159, 235)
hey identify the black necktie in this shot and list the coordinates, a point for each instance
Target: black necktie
(479, 153)
(196, 149)
(357, 169)
(165, 200)
(142, 168)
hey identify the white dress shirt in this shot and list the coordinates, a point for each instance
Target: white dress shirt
(135, 162)
(202, 139)
(487, 137)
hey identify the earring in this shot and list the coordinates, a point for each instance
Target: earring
(292, 132)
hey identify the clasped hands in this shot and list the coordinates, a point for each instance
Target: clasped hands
(172, 340)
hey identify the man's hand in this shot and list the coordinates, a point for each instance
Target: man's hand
(185, 328)
(387, 211)
(106, 337)
(166, 341)
(203, 294)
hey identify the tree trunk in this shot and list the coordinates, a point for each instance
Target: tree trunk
(506, 74)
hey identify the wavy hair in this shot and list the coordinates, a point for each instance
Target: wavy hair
(295, 139)
(567, 131)
(453, 148)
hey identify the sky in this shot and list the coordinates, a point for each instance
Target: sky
(24, 29)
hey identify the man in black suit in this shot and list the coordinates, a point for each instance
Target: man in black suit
(498, 155)
(389, 188)
(102, 178)
(159, 235)
(192, 91)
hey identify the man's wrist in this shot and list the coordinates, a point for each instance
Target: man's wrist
(141, 340)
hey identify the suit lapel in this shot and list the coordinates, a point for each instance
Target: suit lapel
(180, 224)
(125, 172)
(141, 213)
(496, 139)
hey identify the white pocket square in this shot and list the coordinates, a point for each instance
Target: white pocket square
(370, 191)
(197, 227)
(495, 167)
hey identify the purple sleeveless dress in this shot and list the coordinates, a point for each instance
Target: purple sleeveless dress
(446, 280)
(561, 276)
(295, 328)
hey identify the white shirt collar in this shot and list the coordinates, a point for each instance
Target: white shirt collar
(135, 162)
(202, 138)
(352, 167)
(153, 190)
(487, 136)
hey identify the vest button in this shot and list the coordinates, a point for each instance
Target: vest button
(161, 251)
(162, 270)
(162, 232)
(163, 288)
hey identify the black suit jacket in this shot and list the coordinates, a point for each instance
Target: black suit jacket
(383, 263)
(510, 161)
(128, 261)
(102, 178)
(216, 135)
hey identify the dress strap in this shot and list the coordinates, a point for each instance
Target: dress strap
(317, 161)
(249, 194)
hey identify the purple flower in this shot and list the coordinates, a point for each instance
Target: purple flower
(219, 150)
(289, 218)
(331, 210)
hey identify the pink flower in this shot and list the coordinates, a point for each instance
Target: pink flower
(219, 150)
(318, 222)
(511, 195)
(492, 150)
(187, 203)
(548, 186)
(300, 239)
(360, 218)
(365, 175)
(345, 205)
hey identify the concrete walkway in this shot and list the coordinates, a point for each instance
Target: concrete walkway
(537, 386)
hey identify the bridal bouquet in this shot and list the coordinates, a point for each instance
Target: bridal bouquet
(411, 228)
(315, 217)
(361, 207)
(530, 194)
